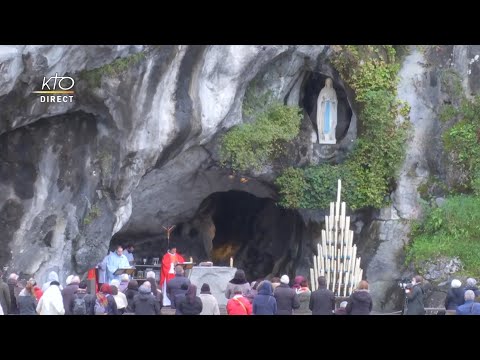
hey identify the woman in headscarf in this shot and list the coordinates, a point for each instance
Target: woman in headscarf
(191, 304)
(238, 280)
(106, 301)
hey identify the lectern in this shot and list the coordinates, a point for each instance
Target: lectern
(128, 271)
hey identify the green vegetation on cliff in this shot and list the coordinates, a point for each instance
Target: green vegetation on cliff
(253, 145)
(371, 71)
(452, 230)
(461, 141)
(115, 68)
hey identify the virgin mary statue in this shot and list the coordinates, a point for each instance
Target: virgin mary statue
(327, 114)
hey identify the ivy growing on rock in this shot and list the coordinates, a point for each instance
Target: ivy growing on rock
(250, 146)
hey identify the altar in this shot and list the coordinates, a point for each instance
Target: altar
(215, 276)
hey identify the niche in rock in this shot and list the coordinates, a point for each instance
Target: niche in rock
(313, 83)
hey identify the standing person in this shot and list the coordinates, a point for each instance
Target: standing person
(240, 280)
(14, 290)
(124, 280)
(415, 295)
(52, 276)
(360, 302)
(68, 294)
(130, 293)
(209, 303)
(322, 301)
(4, 295)
(264, 303)
(191, 304)
(155, 291)
(304, 294)
(102, 271)
(180, 294)
(169, 261)
(119, 297)
(26, 301)
(36, 289)
(129, 254)
(297, 282)
(472, 285)
(287, 299)
(83, 303)
(145, 303)
(174, 285)
(116, 261)
(51, 303)
(239, 304)
(469, 307)
(105, 303)
(455, 295)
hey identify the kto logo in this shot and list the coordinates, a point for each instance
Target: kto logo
(56, 89)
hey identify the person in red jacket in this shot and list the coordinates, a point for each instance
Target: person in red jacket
(36, 289)
(238, 304)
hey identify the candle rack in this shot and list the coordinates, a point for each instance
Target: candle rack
(337, 255)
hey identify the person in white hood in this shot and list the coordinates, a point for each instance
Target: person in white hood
(51, 302)
(52, 276)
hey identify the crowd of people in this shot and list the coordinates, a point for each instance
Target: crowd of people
(273, 296)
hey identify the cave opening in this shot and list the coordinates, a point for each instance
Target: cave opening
(262, 238)
(254, 231)
(312, 85)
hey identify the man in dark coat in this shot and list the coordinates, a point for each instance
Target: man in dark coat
(360, 302)
(14, 291)
(145, 303)
(415, 295)
(68, 294)
(174, 286)
(455, 295)
(4, 296)
(322, 301)
(287, 298)
(82, 294)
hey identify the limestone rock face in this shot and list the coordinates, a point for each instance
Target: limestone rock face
(137, 149)
(74, 173)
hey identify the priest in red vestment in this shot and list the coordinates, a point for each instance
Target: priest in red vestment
(169, 260)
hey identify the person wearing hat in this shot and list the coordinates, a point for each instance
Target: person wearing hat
(287, 298)
(210, 304)
(240, 280)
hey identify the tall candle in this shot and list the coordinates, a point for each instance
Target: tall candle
(312, 280)
(191, 259)
(332, 212)
(231, 261)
